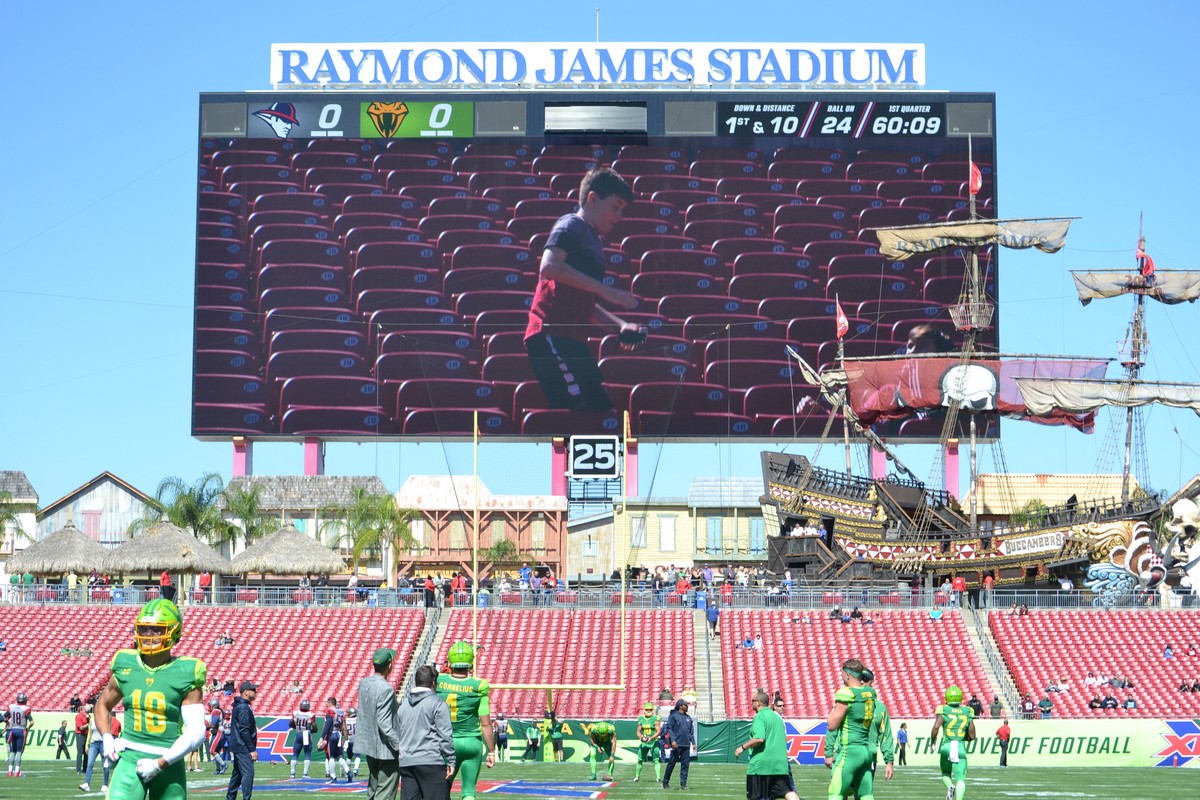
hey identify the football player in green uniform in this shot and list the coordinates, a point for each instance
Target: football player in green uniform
(164, 713)
(470, 716)
(649, 728)
(603, 736)
(849, 721)
(956, 723)
(879, 735)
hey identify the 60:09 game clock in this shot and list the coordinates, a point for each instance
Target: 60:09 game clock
(810, 119)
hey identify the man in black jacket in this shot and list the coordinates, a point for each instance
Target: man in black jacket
(677, 736)
(243, 742)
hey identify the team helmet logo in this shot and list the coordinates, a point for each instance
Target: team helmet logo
(387, 117)
(280, 117)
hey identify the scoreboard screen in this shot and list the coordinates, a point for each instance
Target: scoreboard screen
(366, 263)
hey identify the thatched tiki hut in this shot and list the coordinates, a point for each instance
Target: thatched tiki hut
(287, 551)
(166, 547)
(65, 551)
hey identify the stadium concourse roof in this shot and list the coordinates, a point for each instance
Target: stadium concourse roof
(306, 492)
(1006, 494)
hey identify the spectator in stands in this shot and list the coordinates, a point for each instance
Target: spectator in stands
(727, 593)
(846, 618)
(976, 705)
(1024, 610)
(1095, 703)
(535, 588)
(658, 588)
(947, 591)
(856, 614)
(1109, 701)
(996, 708)
(1052, 687)
(75, 704)
(806, 619)
(205, 584)
(989, 584)
(1028, 707)
(935, 615)
(746, 644)
(1184, 687)
(835, 613)
(430, 592)
(1013, 610)
(682, 587)
(866, 620)
(1130, 703)
(1196, 685)
(1168, 652)
(1046, 706)
(1192, 653)
(322, 588)
(758, 641)
(165, 589)
(960, 590)
(1090, 680)
(524, 574)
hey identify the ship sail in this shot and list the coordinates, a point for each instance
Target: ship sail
(1048, 235)
(1165, 286)
(1042, 396)
(902, 387)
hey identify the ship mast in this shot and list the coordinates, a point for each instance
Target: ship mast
(971, 314)
(1134, 362)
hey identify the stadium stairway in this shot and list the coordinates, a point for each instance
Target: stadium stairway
(710, 688)
(989, 658)
(426, 646)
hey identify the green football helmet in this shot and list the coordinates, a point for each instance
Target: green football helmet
(461, 656)
(954, 696)
(158, 627)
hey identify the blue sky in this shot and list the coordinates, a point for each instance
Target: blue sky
(1097, 113)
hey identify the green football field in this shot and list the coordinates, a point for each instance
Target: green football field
(46, 780)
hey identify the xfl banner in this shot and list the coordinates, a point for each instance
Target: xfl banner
(1034, 743)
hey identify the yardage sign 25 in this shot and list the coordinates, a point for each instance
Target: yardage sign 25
(594, 457)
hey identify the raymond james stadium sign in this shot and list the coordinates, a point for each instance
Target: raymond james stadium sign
(566, 64)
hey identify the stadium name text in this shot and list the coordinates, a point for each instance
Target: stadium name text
(576, 63)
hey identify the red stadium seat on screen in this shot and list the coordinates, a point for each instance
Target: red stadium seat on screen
(791, 172)
(494, 255)
(304, 317)
(221, 251)
(243, 390)
(291, 296)
(317, 339)
(812, 214)
(784, 263)
(682, 398)
(334, 421)
(433, 340)
(744, 373)
(894, 216)
(487, 323)
(399, 367)
(683, 306)
(653, 285)
(661, 423)
(321, 363)
(369, 301)
(514, 368)
(525, 228)
(329, 390)
(225, 158)
(720, 168)
(223, 418)
(484, 162)
(559, 422)
(823, 251)
(398, 254)
(399, 178)
(818, 187)
(629, 369)
(635, 246)
(469, 206)
(346, 222)
(394, 204)
(548, 207)
(475, 279)
(881, 170)
(632, 226)
(673, 260)
(393, 278)
(407, 162)
(456, 422)
(632, 167)
(731, 248)
(451, 240)
(424, 194)
(307, 159)
(317, 176)
(900, 189)
(799, 235)
(703, 327)
(278, 276)
(226, 362)
(555, 164)
(668, 152)
(433, 227)
(472, 303)
(511, 194)
(759, 286)
(449, 393)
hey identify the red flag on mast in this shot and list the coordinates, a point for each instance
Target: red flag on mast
(1145, 262)
(976, 182)
(843, 324)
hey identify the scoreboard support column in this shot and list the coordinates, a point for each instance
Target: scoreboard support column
(558, 467)
(314, 457)
(243, 457)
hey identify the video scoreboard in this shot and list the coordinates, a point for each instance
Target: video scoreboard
(366, 259)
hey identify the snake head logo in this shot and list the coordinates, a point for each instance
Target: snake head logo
(387, 117)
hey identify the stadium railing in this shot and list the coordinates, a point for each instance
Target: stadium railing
(818, 600)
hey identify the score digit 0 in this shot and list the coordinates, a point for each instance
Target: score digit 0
(439, 120)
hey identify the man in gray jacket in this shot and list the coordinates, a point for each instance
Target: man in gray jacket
(426, 743)
(377, 737)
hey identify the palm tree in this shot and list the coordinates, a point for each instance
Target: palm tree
(191, 507)
(10, 518)
(245, 505)
(373, 525)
